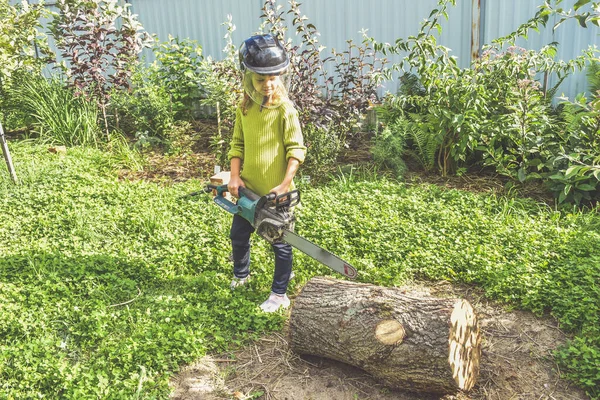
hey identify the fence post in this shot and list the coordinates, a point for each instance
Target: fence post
(7, 157)
(476, 24)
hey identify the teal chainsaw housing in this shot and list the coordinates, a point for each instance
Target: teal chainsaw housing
(245, 207)
(269, 215)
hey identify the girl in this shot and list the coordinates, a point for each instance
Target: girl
(266, 150)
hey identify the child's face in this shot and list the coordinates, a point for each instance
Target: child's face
(265, 84)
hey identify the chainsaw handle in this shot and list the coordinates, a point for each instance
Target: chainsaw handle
(249, 194)
(220, 189)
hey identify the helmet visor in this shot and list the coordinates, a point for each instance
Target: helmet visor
(268, 91)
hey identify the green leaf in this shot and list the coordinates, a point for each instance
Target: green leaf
(562, 197)
(556, 25)
(582, 20)
(586, 187)
(580, 3)
(567, 188)
(572, 170)
(522, 175)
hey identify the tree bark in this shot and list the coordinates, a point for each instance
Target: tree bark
(408, 340)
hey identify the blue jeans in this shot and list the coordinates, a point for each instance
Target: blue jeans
(240, 233)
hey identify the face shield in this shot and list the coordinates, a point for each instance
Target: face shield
(268, 91)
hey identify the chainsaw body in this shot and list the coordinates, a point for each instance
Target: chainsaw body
(270, 215)
(273, 220)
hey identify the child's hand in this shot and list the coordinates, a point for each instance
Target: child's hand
(235, 182)
(280, 189)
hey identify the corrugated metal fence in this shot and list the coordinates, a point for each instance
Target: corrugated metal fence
(471, 24)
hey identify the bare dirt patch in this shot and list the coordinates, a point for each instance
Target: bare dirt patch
(516, 364)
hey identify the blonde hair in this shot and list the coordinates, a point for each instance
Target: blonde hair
(279, 95)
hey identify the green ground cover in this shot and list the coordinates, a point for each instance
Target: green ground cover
(107, 286)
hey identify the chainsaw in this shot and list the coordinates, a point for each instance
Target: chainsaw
(272, 219)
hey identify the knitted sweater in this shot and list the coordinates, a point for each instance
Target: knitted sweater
(265, 140)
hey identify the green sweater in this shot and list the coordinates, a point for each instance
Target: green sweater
(264, 141)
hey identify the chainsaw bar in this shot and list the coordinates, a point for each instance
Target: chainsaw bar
(319, 254)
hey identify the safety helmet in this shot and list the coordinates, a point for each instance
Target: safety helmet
(264, 63)
(264, 55)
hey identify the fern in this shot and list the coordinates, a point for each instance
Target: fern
(425, 142)
(593, 76)
(390, 146)
(408, 137)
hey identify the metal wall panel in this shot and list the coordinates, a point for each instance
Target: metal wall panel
(336, 20)
(504, 16)
(342, 20)
(200, 20)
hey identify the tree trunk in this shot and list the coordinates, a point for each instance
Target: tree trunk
(407, 340)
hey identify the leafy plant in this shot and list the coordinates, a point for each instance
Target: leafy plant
(516, 133)
(495, 114)
(583, 17)
(100, 41)
(576, 164)
(335, 91)
(19, 42)
(144, 111)
(323, 147)
(180, 68)
(224, 89)
(389, 146)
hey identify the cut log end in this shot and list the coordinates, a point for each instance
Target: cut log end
(464, 345)
(389, 332)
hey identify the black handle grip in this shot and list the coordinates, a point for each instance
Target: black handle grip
(249, 194)
(210, 188)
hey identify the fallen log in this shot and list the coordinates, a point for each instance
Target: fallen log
(408, 340)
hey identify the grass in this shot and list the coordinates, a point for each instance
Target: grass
(57, 115)
(107, 286)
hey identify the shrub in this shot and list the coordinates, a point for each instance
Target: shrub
(334, 91)
(496, 115)
(181, 70)
(19, 39)
(100, 42)
(323, 146)
(575, 176)
(145, 111)
(224, 89)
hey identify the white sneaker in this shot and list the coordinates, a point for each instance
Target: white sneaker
(237, 282)
(274, 302)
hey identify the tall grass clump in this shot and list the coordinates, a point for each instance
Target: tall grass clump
(56, 114)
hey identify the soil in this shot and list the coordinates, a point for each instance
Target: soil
(516, 359)
(516, 364)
